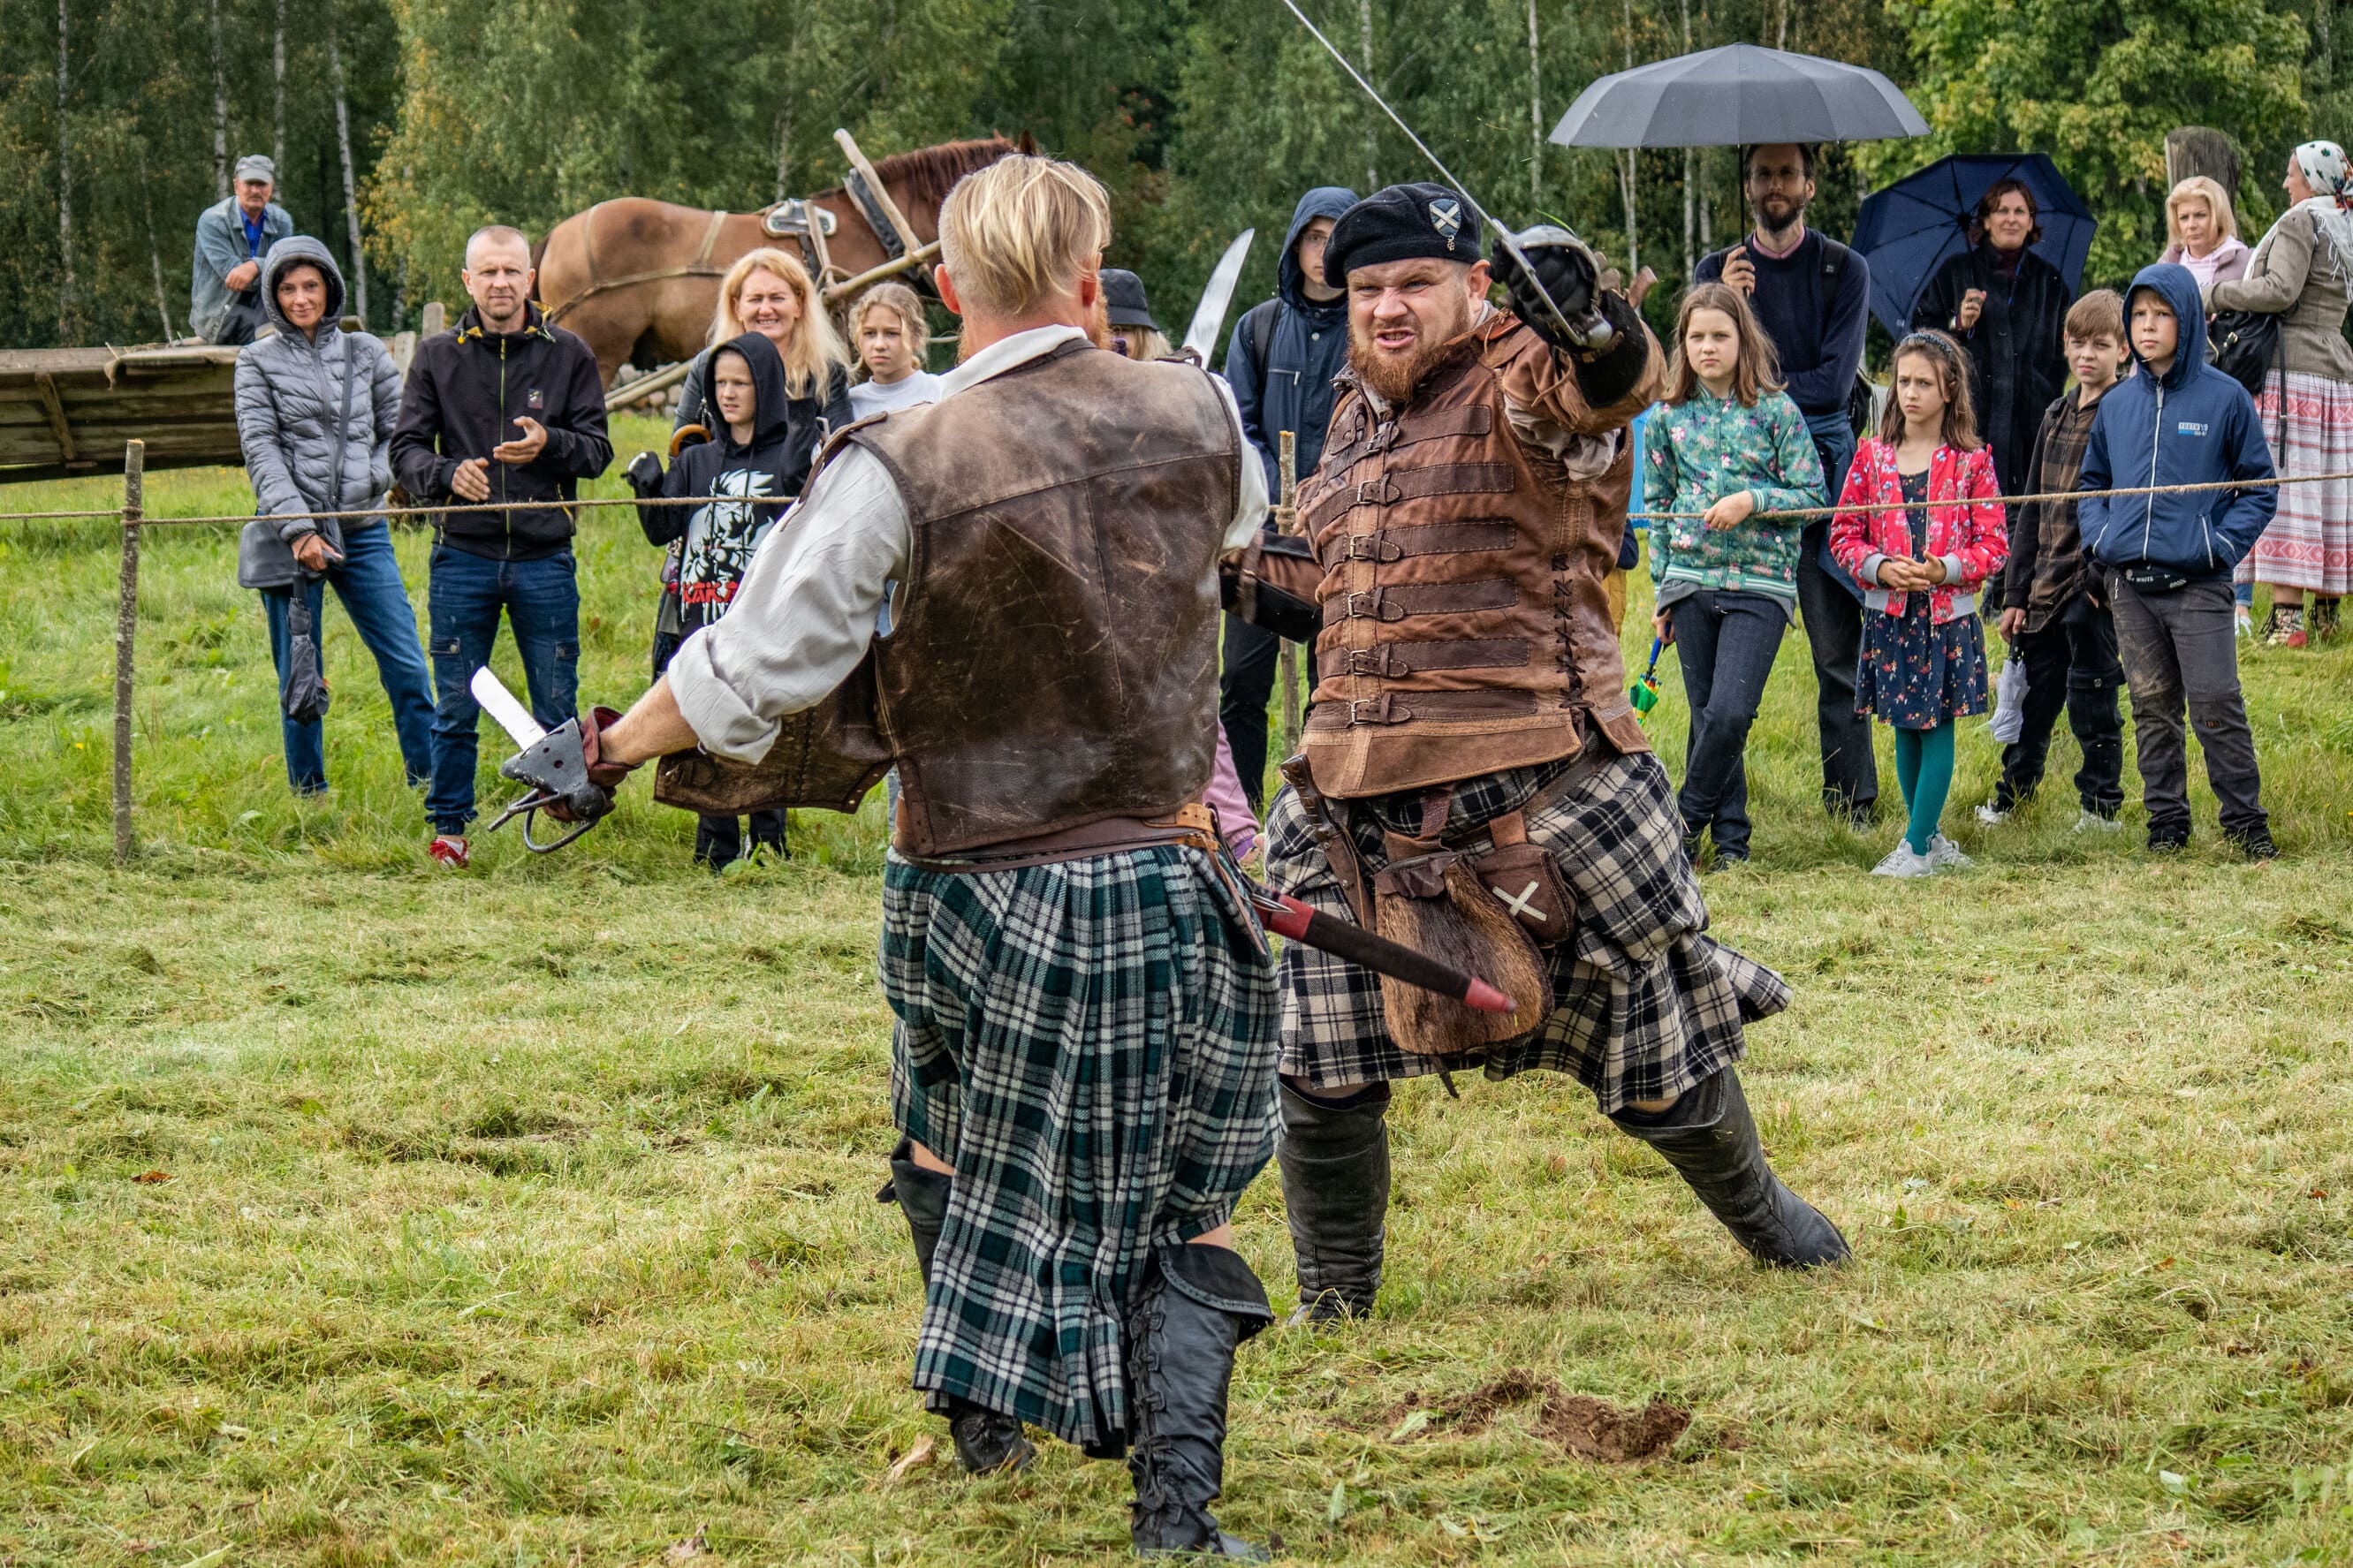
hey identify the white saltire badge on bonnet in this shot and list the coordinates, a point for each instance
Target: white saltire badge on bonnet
(1446, 216)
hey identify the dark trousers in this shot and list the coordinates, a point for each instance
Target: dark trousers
(1726, 642)
(2181, 649)
(2070, 663)
(367, 580)
(719, 840)
(465, 597)
(1245, 685)
(1833, 619)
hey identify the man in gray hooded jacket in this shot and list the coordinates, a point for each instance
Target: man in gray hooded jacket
(315, 410)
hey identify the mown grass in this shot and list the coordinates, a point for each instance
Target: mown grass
(525, 1216)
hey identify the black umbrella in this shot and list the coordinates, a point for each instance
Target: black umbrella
(1737, 95)
(1914, 227)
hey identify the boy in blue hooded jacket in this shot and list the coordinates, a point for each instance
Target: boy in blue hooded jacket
(2167, 559)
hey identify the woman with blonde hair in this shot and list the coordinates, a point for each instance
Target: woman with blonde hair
(2203, 232)
(768, 292)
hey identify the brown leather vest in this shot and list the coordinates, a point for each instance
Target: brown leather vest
(1466, 614)
(1055, 659)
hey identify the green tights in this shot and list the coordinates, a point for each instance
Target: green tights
(1923, 766)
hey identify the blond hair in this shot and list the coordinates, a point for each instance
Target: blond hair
(2217, 200)
(1021, 231)
(901, 303)
(816, 350)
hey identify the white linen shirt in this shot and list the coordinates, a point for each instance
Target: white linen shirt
(809, 607)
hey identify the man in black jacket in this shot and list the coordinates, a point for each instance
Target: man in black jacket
(503, 409)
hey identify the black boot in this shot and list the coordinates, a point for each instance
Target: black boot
(1200, 1303)
(1334, 1155)
(1710, 1138)
(985, 1440)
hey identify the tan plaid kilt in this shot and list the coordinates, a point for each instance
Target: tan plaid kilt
(1645, 1003)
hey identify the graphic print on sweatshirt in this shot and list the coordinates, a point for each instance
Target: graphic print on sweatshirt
(722, 536)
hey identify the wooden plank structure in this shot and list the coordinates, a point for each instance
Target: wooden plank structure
(75, 411)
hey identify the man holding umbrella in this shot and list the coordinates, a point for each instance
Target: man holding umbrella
(1812, 296)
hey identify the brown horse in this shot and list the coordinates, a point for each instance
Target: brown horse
(639, 279)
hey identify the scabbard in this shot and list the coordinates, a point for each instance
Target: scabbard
(1287, 917)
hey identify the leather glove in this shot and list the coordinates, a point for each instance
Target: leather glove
(1564, 271)
(645, 471)
(606, 776)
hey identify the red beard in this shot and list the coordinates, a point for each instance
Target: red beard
(1392, 377)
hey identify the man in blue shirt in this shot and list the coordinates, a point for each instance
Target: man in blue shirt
(1811, 295)
(232, 237)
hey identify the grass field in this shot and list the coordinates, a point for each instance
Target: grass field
(352, 1214)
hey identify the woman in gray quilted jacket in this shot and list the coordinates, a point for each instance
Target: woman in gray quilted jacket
(315, 410)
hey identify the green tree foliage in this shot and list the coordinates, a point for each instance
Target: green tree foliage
(1203, 117)
(2128, 71)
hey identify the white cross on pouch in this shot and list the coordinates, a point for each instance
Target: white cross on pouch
(1523, 907)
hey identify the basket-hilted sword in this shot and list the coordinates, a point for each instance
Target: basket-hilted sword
(553, 762)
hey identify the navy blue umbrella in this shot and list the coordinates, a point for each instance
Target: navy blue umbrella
(1916, 225)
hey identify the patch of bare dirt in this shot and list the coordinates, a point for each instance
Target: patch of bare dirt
(1590, 1429)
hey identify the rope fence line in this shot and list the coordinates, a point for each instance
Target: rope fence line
(592, 501)
(131, 515)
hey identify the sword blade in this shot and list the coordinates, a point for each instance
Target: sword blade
(1209, 315)
(501, 704)
(1504, 236)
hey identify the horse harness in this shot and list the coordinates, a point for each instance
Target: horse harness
(800, 219)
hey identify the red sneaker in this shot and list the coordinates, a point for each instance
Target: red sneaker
(449, 852)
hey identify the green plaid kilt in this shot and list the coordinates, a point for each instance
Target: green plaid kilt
(1092, 1047)
(1644, 1002)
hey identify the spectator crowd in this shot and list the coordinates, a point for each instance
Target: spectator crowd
(1769, 499)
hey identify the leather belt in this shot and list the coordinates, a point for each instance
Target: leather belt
(1194, 825)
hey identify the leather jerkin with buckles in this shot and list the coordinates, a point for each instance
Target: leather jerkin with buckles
(1466, 612)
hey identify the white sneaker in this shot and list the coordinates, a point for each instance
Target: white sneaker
(1902, 862)
(1943, 852)
(2246, 620)
(1990, 817)
(2092, 822)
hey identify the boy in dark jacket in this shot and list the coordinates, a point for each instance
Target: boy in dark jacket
(2167, 559)
(2053, 616)
(503, 409)
(1281, 363)
(761, 453)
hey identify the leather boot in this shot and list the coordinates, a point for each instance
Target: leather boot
(1200, 1303)
(985, 1440)
(1334, 1158)
(1711, 1139)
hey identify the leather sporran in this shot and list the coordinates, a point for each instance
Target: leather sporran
(826, 759)
(1437, 902)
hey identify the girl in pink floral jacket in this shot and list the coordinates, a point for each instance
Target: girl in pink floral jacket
(1920, 529)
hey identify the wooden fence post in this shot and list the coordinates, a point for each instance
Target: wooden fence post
(1287, 659)
(126, 634)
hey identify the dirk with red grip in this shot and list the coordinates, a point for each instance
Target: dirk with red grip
(1287, 917)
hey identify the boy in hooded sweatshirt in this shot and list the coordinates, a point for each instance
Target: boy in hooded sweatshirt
(2166, 560)
(759, 455)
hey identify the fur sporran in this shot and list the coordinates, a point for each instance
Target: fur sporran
(1439, 904)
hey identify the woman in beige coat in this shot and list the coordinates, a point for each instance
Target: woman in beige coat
(2303, 272)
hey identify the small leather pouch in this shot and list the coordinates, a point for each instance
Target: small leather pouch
(1527, 881)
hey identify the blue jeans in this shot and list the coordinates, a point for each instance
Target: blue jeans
(464, 596)
(1726, 642)
(368, 581)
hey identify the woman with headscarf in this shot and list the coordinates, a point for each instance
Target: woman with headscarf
(2303, 272)
(2008, 307)
(2202, 233)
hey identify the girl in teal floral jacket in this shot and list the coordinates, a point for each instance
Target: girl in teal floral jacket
(1728, 444)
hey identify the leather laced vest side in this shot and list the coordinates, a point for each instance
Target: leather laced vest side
(1466, 620)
